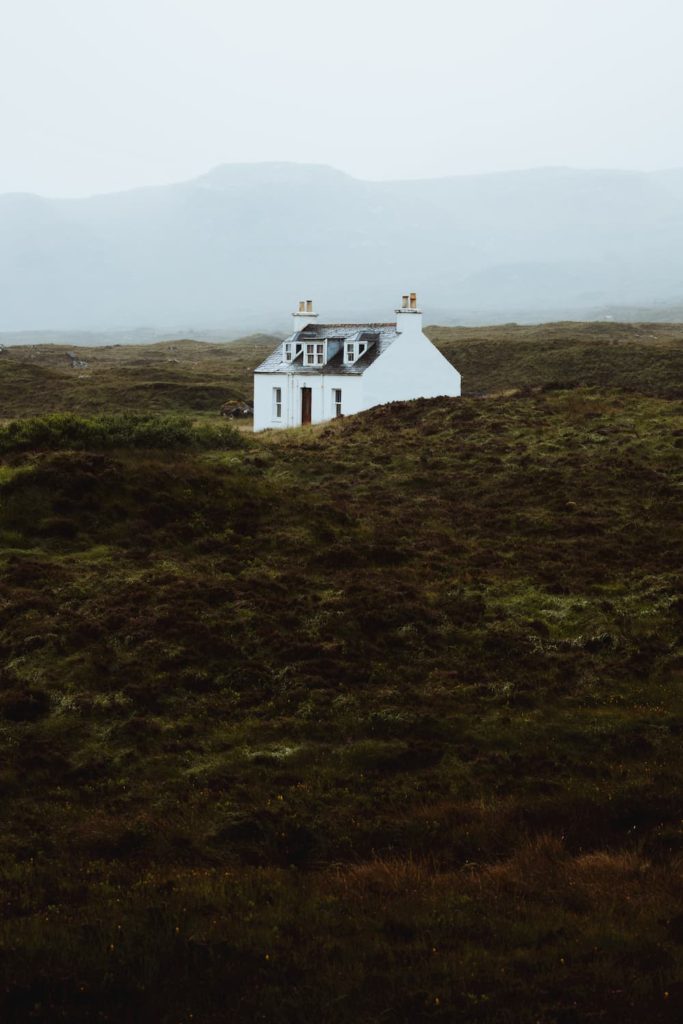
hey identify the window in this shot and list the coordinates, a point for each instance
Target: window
(336, 398)
(288, 351)
(314, 354)
(297, 348)
(350, 352)
(361, 348)
(277, 403)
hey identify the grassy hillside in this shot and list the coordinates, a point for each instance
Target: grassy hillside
(644, 358)
(173, 376)
(196, 378)
(378, 721)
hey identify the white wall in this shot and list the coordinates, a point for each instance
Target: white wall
(410, 368)
(322, 399)
(263, 398)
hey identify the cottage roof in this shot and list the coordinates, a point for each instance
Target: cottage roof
(378, 336)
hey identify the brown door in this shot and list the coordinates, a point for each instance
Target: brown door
(306, 405)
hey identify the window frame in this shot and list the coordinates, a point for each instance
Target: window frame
(277, 403)
(315, 353)
(337, 402)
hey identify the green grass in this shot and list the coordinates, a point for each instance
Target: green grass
(196, 378)
(64, 431)
(379, 720)
(186, 377)
(641, 358)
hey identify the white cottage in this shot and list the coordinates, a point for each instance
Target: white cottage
(326, 370)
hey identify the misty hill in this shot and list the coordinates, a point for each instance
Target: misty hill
(234, 248)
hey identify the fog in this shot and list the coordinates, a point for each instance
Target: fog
(509, 160)
(235, 248)
(108, 95)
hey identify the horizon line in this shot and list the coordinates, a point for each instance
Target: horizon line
(254, 164)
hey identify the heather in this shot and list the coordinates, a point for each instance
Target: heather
(378, 720)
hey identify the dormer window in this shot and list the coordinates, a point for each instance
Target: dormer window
(353, 350)
(288, 351)
(315, 352)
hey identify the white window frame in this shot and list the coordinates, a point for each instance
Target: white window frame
(315, 353)
(288, 351)
(350, 347)
(277, 403)
(337, 401)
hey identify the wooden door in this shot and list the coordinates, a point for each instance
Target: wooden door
(306, 405)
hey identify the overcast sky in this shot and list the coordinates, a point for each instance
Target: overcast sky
(100, 95)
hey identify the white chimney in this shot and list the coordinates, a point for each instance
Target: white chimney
(409, 317)
(304, 315)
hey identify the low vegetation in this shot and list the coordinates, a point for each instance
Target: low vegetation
(180, 377)
(640, 358)
(196, 378)
(376, 721)
(64, 431)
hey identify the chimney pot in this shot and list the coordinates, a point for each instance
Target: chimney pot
(302, 306)
(404, 302)
(309, 305)
(413, 300)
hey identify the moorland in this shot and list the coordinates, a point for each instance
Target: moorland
(373, 721)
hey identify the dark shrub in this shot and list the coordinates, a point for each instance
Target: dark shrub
(61, 431)
(24, 706)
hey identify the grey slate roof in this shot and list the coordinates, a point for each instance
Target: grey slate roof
(385, 334)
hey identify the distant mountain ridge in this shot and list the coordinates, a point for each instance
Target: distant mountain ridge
(233, 249)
